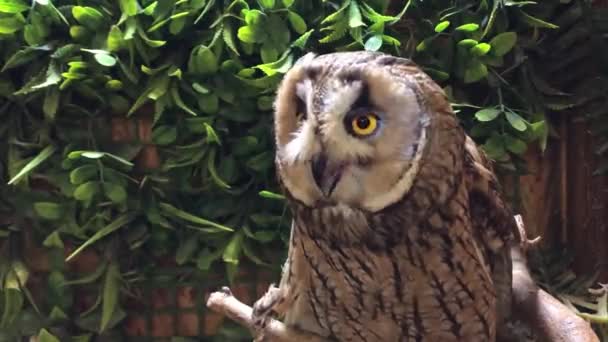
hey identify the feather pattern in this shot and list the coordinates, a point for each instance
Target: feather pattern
(410, 246)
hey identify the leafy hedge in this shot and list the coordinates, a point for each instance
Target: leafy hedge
(141, 129)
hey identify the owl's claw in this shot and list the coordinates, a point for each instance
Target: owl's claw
(264, 310)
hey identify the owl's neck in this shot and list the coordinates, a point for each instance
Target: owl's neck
(342, 225)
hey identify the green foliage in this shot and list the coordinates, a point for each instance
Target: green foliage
(204, 73)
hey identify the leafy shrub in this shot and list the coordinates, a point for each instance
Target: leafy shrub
(80, 77)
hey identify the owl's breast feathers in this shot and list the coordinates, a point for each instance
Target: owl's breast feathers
(420, 270)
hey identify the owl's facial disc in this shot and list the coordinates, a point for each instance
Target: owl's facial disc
(348, 135)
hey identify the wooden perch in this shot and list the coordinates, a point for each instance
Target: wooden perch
(225, 303)
(547, 317)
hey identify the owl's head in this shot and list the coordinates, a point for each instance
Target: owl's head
(351, 128)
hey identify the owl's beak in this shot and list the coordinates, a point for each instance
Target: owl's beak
(325, 174)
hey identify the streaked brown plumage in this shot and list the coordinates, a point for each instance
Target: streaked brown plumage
(399, 235)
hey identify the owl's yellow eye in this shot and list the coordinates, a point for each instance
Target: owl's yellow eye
(364, 124)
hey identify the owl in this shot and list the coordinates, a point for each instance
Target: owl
(399, 231)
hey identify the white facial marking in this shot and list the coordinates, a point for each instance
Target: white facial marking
(339, 100)
(303, 146)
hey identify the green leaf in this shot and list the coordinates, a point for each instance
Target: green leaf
(467, 43)
(374, 43)
(338, 30)
(17, 276)
(494, 61)
(211, 135)
(265, 103)
(280, 66)
(297, 22)
(354, 15)
(233, 250)
(186, 250)
(503, 43)
(268, 4)
(23, 56)
(51, 103)
(65, 51)
(85, 191)
(535, 22)
(475, 72)
(150, 42)
(115, 39)
(442, 26)
(271, 195)
(178, 100)
(337, 15)
(89, 278)
(228, 36)
(376, 17)
(115, 192)
(261, 162)
(114, 85)
(209, 103)
(302, 40)
(247, 34)
(45, 336)
(495, 147)
(32, 35)
(91, 154)
(213, 172)
(424, 44)
(111, 291)
(515, 145)
(487, 114)
(110, 228)
(88, 17)
(58, 315)
(48, 210)
(164, 135)
(82, 173)
(254, 18)
(205, 258)
(98, 155)
(53, 241)
(129, 7)
(34, 163)
(173, 211)
(203, 61)
(480, 49)
(468, 27)
(10, 25)
(13, 6)
(51, 77)
(11, 306)
(105, 59)
(516, 121)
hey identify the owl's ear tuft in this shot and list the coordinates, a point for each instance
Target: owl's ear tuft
(388, 60)
(307, 58)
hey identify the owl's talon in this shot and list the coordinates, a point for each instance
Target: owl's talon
(263, 310)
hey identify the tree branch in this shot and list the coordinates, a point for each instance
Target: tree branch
(549, 318)
(225, 303)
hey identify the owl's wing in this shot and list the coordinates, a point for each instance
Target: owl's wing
(497, 224)
(493, 223)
